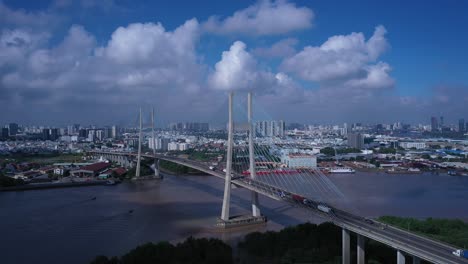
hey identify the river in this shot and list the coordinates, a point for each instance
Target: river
(68, 226)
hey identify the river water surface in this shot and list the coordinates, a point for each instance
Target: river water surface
(68, 226)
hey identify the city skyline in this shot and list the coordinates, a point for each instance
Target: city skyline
(97, 62)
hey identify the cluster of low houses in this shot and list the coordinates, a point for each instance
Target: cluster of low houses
(31, 171)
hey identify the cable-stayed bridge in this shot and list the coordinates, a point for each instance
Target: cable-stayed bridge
(254, 166)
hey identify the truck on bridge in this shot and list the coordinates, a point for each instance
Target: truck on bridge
(463, 253)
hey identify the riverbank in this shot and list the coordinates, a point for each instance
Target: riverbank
(39, 186)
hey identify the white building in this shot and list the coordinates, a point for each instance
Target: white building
(172, 146)
(416, 145)
(183, 146)
(159, 143)
(298, 160)
(270, 128)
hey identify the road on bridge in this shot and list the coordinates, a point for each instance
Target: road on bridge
(413, 244)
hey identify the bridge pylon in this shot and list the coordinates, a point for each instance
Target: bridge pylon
(225, 220)
(157, 175)
(137, 172)
(255, 204)
(227, 183)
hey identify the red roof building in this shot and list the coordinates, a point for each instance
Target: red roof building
(91, 170)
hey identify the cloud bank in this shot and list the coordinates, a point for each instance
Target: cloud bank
(45, 77)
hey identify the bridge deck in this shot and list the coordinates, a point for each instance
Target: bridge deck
(416, 245)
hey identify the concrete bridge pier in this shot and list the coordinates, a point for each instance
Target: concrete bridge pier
(361, 252)
(345, 251)
(400, 257)
(156, 169)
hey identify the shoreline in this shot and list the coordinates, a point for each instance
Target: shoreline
(35, 186)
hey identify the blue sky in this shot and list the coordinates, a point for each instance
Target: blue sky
(419, 66)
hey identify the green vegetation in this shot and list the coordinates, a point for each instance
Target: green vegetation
(46, 158)
(206, 251)
(305, 243)
(387, 150)
(176, 168)
(144, 171)
(6, 181)
(173, 167)
(201, 155)
(452, 231)
(329, 151)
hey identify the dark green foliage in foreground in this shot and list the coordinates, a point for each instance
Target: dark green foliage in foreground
(305, 243)
(452, 231)
(6, 181)
(206, 251)
(308, 243)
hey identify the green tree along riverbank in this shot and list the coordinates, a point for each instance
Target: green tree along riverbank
(305, 243)
(176, 168)
(46, 158)
(6, 181)
(452, 231)
(195, 251)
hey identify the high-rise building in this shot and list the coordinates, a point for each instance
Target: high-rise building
(355, 140)
(434, 124)
(82, 133)
(99, 134)
(441, 123)
(91, 135)
(13, 129)
(270, 128)
(115, 132)
(172, 146)
(54, 134)
(461, 125)
(159, 143)
(45, 134)
(5, 133)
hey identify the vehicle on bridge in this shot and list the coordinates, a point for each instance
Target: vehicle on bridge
(299, 199)
(461, 253)
(268, 172)
(324, 208)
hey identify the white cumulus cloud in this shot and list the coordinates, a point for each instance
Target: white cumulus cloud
(236, 70)
(343, 57)
(263, 18)
(282, 48)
